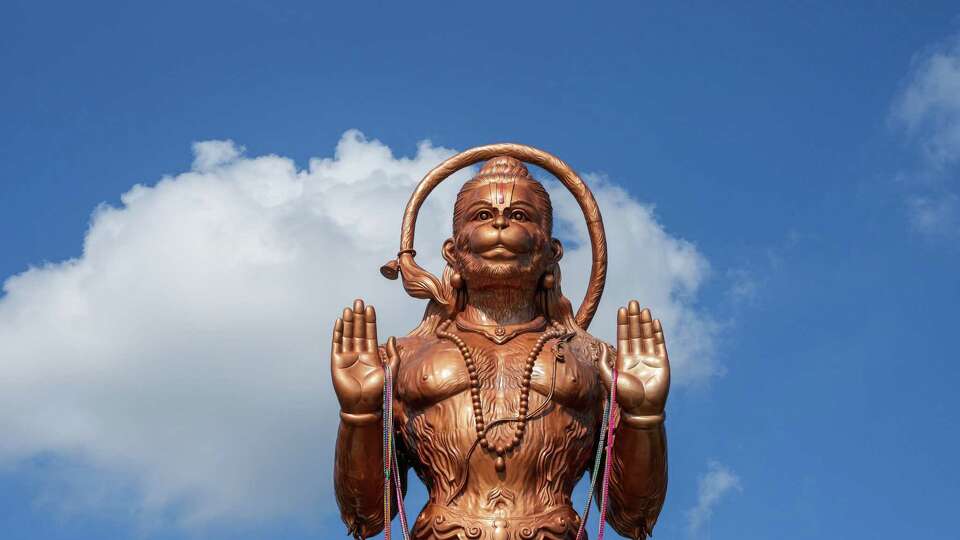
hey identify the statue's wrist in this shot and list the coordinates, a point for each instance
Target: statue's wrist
(641, 421)
(361, 419)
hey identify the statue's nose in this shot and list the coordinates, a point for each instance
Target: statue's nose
(500, 222)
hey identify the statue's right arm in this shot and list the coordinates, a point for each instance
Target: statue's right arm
(357, 373)
(358, 477)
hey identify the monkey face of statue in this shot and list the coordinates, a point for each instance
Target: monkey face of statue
(501, 233)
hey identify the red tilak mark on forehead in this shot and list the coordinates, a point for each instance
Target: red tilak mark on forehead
(499, 194)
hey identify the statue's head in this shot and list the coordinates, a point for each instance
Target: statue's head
(502, 224)
(502, 227)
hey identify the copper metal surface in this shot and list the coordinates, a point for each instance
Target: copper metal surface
(499, 392)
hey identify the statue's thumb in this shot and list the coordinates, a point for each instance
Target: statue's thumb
(603, 364)
(393, 357)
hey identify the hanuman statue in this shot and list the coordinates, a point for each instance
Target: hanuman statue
(497, 398)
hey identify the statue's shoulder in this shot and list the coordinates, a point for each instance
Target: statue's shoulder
(417, 346)
(587, 346)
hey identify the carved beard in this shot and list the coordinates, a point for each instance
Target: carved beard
(480, 273)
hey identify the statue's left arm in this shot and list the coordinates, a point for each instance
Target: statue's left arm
(638, 479)
(358, 380)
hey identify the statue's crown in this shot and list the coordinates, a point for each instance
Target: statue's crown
(502, 168)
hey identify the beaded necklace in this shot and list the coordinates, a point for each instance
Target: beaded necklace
(521, 420)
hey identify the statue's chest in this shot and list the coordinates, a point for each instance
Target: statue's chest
(437, 372)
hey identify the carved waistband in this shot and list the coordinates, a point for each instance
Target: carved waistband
(442, 523)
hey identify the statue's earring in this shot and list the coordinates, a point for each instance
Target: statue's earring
(549, 281)
(456, 280)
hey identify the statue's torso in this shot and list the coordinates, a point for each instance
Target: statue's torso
(530, 498)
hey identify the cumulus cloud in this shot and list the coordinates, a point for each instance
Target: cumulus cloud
(183, 355)
(713, 486)
(934, 214)
(928, 110)
(929, 106)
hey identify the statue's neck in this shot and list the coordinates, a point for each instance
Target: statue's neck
(499, 306)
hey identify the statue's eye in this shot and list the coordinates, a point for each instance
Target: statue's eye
(518, 215)
(484, 215)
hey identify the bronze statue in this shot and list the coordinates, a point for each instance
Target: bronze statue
(498, 395)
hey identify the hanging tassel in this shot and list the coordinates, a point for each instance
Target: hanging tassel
(387, 448)
(595, 475)
(391, 469)
(604, 451)
(611, 426)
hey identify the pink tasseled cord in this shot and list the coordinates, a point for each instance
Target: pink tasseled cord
(604, 447)
(390, 466)
(611, 426)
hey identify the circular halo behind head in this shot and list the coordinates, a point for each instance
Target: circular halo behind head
(421, 284)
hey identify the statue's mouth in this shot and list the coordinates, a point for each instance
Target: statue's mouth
(499, 252)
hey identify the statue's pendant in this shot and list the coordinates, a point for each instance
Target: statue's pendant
(500, 464)
(501, 334)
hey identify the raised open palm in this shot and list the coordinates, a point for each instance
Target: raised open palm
(643, 367)
(355, 360)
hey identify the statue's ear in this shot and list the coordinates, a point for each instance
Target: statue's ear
(557, 249)
(449, 251)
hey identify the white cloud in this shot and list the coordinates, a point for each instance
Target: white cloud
(934, 215)
(713, 486)
(210, 154)
(184, 354)
(744, 286)
(928, 110)
(929, 106)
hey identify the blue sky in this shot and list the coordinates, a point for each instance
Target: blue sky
(808, 155)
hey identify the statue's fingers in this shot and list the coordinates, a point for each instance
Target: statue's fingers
(633, 315)
(659, 344)
(646, 332)
(338, 336)
(646, 324)
(347, 330)
(370, 315)
(359, 324)
(623, 329)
